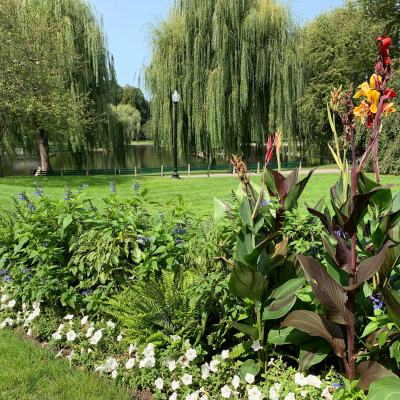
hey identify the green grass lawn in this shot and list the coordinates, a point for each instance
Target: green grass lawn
(197, 192)
(28, 372)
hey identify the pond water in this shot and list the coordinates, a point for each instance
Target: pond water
(140, 155)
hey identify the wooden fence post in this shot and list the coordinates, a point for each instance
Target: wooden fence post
(258, 168)
(188, 170)
(162, 170)
(135, 172)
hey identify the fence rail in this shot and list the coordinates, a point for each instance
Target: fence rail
(164, 170)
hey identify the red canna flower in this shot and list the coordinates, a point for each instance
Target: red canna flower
(390, 93)
(270, 150)
(384, 44)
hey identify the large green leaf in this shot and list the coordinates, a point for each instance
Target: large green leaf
(246, 282)
(249, 367)
(251, 258)
(220, 210)
(312, 353)
(276, 184)
(317, 325)
(331, 295)
(295, 192)
(246, 329)
(245, 244)
(371, 371)
(287, 335)
(289, 287)
(246, 212)
(279, 307)
(385, 389)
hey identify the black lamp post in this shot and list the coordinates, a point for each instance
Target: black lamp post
(175, 100)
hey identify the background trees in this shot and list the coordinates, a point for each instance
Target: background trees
(236, 67)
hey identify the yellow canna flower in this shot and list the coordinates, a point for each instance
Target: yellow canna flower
(388, 108)
(364, 90)
(361, 111)
(373, 99)
(374, 78)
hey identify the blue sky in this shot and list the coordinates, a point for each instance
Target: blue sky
(127, 24)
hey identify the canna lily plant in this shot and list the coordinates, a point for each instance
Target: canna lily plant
(262, 271)
(362, 235)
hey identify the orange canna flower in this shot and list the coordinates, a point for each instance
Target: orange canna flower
(388, 108)
(361, 111)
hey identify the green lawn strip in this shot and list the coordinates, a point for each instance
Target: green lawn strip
(28, 372)
(196, 192)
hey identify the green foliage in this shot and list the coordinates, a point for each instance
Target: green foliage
(237, 68)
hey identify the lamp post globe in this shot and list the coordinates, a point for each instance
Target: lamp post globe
(175, 101)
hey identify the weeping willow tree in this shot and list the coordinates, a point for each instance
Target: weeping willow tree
(66, 89)
(236, 67)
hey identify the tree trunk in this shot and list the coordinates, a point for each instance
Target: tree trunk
(43, 147)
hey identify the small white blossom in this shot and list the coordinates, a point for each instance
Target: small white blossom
(326, 394)
(235, 381)
(69, 317)
(290, 396)
(303, 394)
(71, 355)
(205, 371)
(271, 362)
(174, 396)
(191, 354)
(89, 332)
(119, 338)
(171, 364)
(300, 379)
(256, 345)
(29, 333)
(11, 304)
(226, 392)
(114, 374)
(71, 335)
(147, 362)
(84, 320)
(132, 348)
(149, 350)
(59, 354)
(187, 379)
(175, 385)
(110, 324)
(159, 383)
(130, 363)
(175, 338)
(96, 337)
(7, 322)
(313, 380)
(254, 394)
(56, 336)
(249, 378)
(193, 396)
(214, 365)
(225, 354)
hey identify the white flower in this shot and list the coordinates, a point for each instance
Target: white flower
(11, 304)
(175, 338)
(191, 354)
(226, 392)
(60, 328)
(184, 361)
(110, 324)
(149, 350)
(256, 345)
(205, 371)
(171, 364)
(96, 337)
(69, 317)
(274, 391)
(204, 397)
(7, 322)
(175, 385)
(290, 396)
(56, 336)
(34, 314)
(235, 381)
(90, 331)
(119, 338)
(225, 354)
(303, 394)
(3, 298)
(132, 348)
(29, 333)
(147, 362)
(71, 335)
(326, 394)
(111, 364)
(193, 396)
(114, 374)
(59, 354)
(84, 320)
(130, 363)
(249, 378)
(271, 362)
(174, 396)
(159, 383)
(186, 379)
(313, 380)
(254, 394)
(70, 356)
(300, 379)
(214, 365)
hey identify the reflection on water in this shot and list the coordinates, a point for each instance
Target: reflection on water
(140, 156)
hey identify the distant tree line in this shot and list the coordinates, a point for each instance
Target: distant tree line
(245, 69)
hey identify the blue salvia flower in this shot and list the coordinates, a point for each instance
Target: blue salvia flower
(339, 232)
(136, 186)
(4, 272)
(23, 197)
(336, 385)
(68, 195)
(31, 207)
(86, 292)
(8, 278)
(377, 301)
(38, 190)
(113, 188)
(179, 230)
